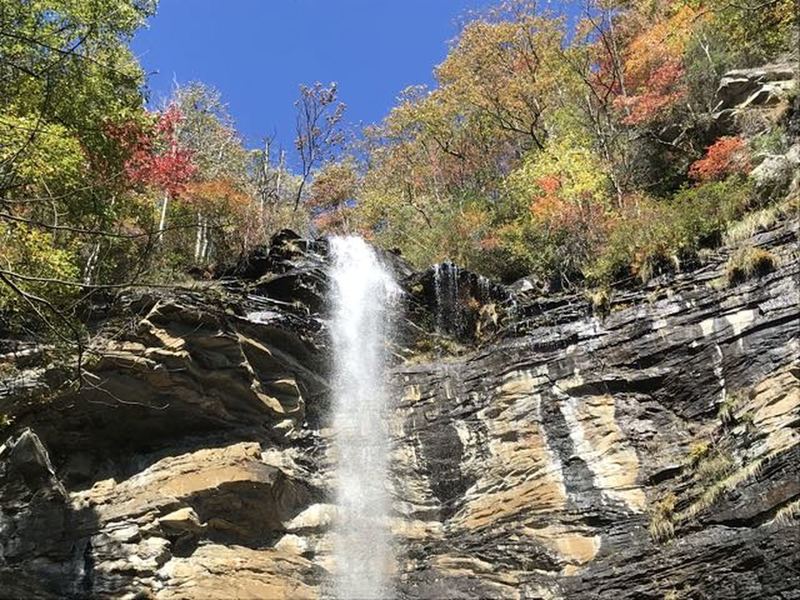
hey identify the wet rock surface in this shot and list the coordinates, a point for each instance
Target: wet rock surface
(540, 450)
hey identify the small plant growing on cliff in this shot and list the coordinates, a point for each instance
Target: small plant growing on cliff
(708, 463)
(785, 515)
(5, 421)
(729, 406)
(713, 470)
(697, 452)
(715, 467)
(748, 263)
(724, 482)
(752, 223)
(600, 301)
(661, 512)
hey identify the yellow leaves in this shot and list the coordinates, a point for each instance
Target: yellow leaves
(32, 252)
(42, 153)
(506, 70)
(580, 174)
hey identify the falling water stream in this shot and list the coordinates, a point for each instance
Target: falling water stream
(362, 290)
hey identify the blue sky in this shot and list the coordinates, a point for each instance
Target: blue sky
(257, 52)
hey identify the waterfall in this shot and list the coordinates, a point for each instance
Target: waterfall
(362, 290)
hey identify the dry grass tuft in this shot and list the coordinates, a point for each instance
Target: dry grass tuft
(661, 515)
(788, 513)
(747, 263)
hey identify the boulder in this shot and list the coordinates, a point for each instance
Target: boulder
(776, 175)
(764, 86)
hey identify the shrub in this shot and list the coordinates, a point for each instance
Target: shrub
(714, 467)
(638, 245)
(727, 156)
(697, 452)
(651, 237)
(600, 301)
(702, 212)
(747, 263)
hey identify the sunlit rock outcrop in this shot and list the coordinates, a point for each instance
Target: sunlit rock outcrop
(539, 450)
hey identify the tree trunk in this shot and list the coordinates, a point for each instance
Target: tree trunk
(91, 263)
(163, 220)
(204, 247)
(198, 240)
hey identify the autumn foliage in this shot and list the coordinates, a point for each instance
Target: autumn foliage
(155, 157)
(653, 64)
(662, 89)
(548, 143)
(560, 147)
(727, 156)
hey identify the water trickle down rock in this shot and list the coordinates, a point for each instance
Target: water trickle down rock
(448, 313)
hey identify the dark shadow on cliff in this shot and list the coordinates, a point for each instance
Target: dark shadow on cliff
(45, 541)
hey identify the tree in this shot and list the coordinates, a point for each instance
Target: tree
(319, 115)
(275, 187)
(218, 192)
(562, 201)
(653, 65)
(333, 187)
(505, 66)
(66, 74)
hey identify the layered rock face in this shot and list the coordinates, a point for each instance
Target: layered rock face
(540, 450)
(176, 467)
(648, 453)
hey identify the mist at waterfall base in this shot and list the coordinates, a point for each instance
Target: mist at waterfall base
(362, 293)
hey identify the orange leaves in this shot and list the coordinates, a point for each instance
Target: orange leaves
(490, 242)
(333, 185)
(217, 195)
(727, 156)
(473, 220)
(559, 206)
(653, 66)
(663, 89)
(664, 40)
(332, 221)
(547, 205)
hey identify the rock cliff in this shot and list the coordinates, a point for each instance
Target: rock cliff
(544, 447)
(642, 443)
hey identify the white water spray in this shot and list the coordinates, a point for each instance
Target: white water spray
(362, 291)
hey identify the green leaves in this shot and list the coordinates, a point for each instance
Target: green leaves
(66, 73)
(31, 261)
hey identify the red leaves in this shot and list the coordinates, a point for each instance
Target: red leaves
(652, 61)
(662, 89)
(727, 156)
(155, 156)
